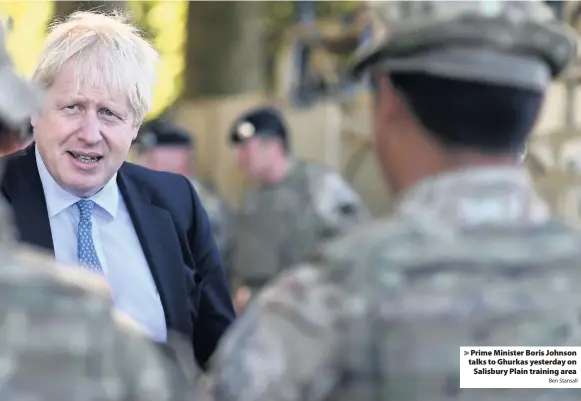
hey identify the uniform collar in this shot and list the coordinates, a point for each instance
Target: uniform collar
(59, 199)
(476, 196)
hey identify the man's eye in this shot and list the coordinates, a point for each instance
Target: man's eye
(108, 113)
(72, 107)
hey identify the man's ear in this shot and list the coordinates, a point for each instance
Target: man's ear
(389, 99)
(135, 133)
(33, 119)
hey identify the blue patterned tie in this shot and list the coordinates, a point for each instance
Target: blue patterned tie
(86, 252)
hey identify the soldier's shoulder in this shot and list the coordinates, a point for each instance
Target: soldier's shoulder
(324, 179)
(32, 284)
(315, 169)
(66, 315)
(378, 235)
(32, 263)
(399, 242)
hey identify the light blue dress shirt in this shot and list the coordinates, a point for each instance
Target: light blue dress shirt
(124, 264)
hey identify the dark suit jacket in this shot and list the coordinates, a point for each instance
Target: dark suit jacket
(174, 232)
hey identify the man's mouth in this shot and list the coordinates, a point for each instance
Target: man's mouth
(85, 157)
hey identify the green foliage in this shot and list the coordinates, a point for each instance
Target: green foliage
(138, 10)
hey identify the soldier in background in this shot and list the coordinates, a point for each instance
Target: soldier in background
(60, 338)
(297, 203)
(167, 147)
(19, 142)
(472, 256)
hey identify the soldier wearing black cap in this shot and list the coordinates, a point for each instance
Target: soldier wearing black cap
(297, 204)
(165, 146)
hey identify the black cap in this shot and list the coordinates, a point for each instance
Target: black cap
(158, 133)
(264, 122)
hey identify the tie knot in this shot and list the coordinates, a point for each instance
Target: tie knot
(85, 208)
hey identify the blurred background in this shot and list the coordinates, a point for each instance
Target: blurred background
(220, 58)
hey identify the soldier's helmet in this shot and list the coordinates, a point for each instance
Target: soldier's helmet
(19, 98)
(519, 43)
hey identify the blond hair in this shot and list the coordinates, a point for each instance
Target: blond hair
(107, 50)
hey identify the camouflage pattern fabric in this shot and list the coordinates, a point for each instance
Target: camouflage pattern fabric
(220, 219)
(470, 258)
(279, 225)
(498, 42)
(60, 340)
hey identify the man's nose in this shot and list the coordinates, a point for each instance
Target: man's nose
(91, 129)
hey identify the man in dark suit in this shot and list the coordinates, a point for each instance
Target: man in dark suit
(72, 193)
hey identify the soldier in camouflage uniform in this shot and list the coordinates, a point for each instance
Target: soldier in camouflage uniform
(167, 147)
(472, 256)
(296, 205)
(60, 338)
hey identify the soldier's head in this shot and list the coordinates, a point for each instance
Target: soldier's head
(99, 74)
(18, 99)
(458, 83)
(261, 142)
(165, 146)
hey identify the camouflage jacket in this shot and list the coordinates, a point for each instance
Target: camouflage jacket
(61, 341)
(220, 219)
(470, 258)
(279, 225)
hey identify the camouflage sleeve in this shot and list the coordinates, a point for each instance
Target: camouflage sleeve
(283, 346)
(146, 372)
(338, 205)
(60, 336)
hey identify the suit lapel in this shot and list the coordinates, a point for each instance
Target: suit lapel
(23, 189)
(160, 245)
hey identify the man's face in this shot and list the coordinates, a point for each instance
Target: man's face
(252, 157)
(169, 158)
(83, 133)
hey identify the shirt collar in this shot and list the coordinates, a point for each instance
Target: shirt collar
(59, 199)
